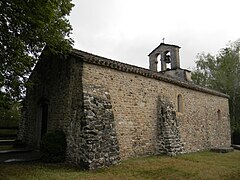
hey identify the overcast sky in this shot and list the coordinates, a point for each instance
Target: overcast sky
(128, 30)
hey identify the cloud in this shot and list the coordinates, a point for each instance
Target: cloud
(128, 30)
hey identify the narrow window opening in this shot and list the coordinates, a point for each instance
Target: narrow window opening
(44, 119)
(158, 62)
(179, 103)
(219, 114)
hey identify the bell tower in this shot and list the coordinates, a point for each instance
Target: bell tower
(170, 62)
(169, 54)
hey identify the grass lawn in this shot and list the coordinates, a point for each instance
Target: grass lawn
(202, 165)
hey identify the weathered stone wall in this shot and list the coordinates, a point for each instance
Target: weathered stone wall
(49, 84)
(85, 116)
(200, 126)
(134, 100)
(168, 135)
(100, 147)
(110, 110)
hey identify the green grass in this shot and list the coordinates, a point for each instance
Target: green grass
(202, 165)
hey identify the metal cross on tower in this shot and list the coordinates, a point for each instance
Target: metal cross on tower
(163, 40)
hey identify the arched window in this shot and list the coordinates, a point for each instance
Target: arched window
(219, 114)
(179, 103)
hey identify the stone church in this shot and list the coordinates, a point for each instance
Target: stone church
(110, 110)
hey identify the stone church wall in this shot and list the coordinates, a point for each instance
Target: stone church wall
(135, 101)
(110, 110)
(49, 85)
(86, 116)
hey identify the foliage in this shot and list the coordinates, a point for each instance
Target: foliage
(10, 113)
(53, 147)
(201, 165)
(222, 73)
(26, 28)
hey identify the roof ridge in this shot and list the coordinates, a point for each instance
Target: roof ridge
(124, 67)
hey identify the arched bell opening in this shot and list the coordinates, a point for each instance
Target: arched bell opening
(167, 59)
(158, 60)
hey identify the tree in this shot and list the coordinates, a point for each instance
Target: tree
(26, 27)
(222, 73)
(10, 115)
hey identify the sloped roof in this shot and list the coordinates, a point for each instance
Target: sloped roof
(101, 61)
(164, 45)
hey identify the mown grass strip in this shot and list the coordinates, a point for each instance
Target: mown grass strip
(201, 165)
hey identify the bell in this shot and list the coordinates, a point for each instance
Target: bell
(167, 59)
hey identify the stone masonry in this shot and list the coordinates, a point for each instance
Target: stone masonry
(168, 136)
(134, 99)
(111, 111)
(98, 127)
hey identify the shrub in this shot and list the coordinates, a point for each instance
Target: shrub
(53, 147)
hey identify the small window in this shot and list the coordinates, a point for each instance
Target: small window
(158, 62)
(44, 112)
(179, 103)
(219, 114)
